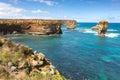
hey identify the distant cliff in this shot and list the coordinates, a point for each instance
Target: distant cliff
(34, 26)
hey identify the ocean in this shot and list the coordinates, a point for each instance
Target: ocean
(80, 55)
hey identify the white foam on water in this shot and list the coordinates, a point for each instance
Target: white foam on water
(112, 30)
(13, 37)
(112, 35)
(88, 31)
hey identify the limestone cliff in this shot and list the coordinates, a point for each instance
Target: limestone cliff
(34, 26)
(101, 27)
(70, 24)
(19, 62)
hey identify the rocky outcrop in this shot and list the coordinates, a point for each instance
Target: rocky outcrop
(101, 27)
(27, 26)
(19, 62)
(34, 26)
(70, 24)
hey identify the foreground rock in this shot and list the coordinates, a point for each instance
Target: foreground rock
(18, 62)
(101, 27)
(34, 26)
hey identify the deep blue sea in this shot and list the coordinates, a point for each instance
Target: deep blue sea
(80, 55)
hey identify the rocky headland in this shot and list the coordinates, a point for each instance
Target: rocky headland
(19, 62)
(34, 26)
(101, 27)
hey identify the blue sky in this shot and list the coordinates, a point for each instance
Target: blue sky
(80, 10)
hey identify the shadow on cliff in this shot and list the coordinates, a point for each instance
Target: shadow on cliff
(9, 29)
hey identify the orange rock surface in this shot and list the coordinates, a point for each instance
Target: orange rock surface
(34, 26)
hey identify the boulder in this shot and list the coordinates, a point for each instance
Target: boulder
(36, 60)
(101, 27)
(13, 68)
(41, 56)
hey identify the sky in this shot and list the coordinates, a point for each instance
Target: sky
(80, 10)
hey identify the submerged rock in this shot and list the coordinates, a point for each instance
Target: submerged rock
(101, 27)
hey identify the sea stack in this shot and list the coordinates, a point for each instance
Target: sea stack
(101, 27)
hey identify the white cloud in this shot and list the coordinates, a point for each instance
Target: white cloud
(48, 2)
(113, 18)
(40, 11)
(8, 11)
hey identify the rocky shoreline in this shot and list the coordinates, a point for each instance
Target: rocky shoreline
(19, 62)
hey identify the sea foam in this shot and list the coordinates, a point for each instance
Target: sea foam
(88, 31)
(110, 35)
(112, 30)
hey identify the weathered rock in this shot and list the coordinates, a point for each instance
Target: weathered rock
(36, 60)
(70, 24)
(34, 26)
(23, 63)
(41, 56)
(10, 64)
(101, 27)
(13, 68)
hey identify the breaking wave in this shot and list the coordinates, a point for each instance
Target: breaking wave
(112, 30)
(110, 35)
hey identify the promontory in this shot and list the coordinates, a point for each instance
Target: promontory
(34, 26)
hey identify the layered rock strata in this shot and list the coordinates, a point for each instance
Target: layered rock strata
(70, 24)
(34, 26)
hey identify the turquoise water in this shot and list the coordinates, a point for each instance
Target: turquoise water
(80, 55)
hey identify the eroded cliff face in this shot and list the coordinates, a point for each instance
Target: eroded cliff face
(101, 27)
(70, 24)
(19, 62)
(34, 26)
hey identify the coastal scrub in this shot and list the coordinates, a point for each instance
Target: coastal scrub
(19, 62)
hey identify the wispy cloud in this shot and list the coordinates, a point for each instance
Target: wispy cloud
(14, 1)
(48, 2)
(89, 1)
(115, 0)
(7, 10)
(113, 19)
(40, 11)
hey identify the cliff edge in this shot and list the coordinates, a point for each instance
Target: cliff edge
(19, 62)
(34, 26)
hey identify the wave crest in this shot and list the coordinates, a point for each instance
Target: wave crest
(110, 35)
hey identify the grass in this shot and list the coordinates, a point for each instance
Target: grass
(9, 52)
(4, 74)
